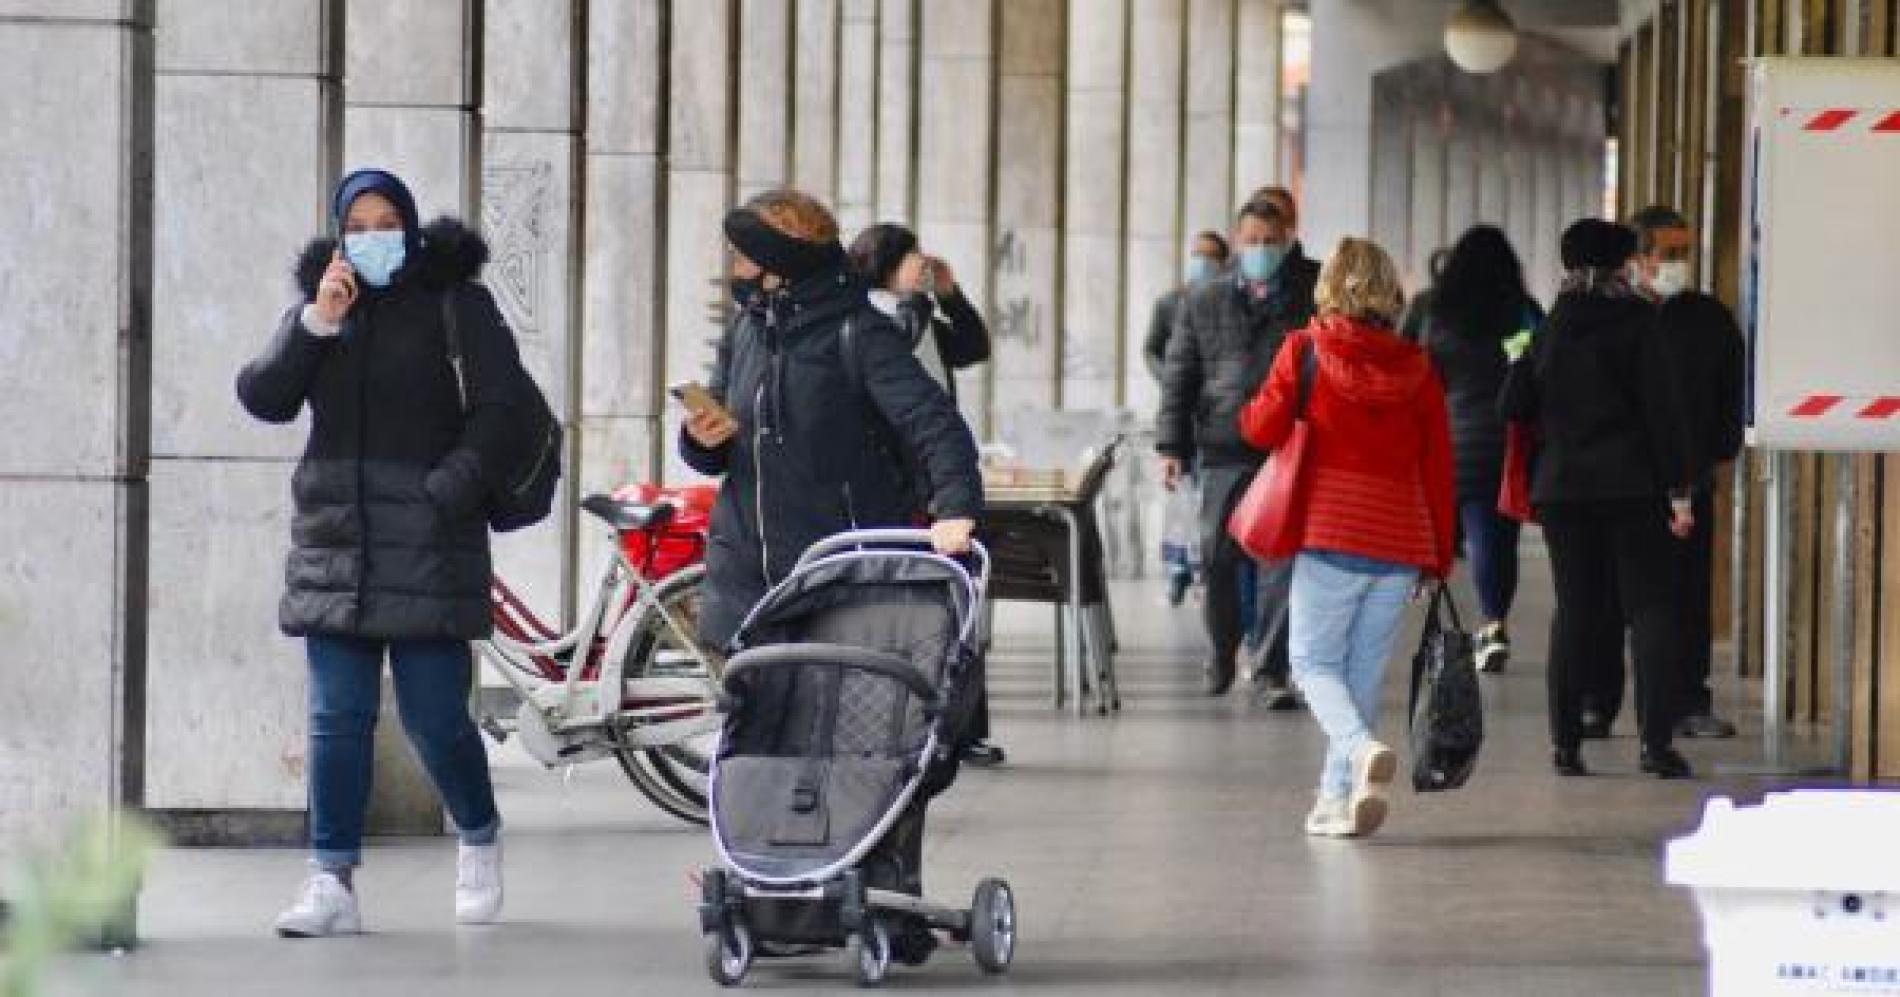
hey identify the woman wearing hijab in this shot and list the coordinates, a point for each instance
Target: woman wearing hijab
(390, 551)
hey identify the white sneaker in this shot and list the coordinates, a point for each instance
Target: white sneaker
(1330, 818)
(325, 907)
(1373, 768)
(477, 883)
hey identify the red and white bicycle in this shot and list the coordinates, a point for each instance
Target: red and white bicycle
(630, 681)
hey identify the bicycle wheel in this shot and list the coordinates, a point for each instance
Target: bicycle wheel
(674, 776)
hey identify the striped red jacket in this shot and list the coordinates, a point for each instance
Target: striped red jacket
(1380, 479)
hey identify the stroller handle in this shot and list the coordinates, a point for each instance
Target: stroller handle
(839, 543)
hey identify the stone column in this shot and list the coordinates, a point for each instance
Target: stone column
(75, 273)
(249, 113)
(1153, 240)
(1092, 203)
(532, 59)
(762, 145)
(412, 89)
(897, 111)
(1256, 98)
(1207, 165)
(621, 280)
(698, 191)
(953, 162)
(815, 99)
(857, 116)
(1027, 287)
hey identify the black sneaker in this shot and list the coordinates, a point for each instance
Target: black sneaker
(1704, 725)
(1494, 649)
(1665, 763)
(1178, 584)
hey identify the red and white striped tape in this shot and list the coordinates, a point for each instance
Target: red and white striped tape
(1879, 408)
(1880, 120)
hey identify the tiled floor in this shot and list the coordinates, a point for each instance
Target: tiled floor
(1155, 852)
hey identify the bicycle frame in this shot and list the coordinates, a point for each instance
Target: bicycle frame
(575, 683)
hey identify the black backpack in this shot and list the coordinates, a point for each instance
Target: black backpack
(522, 494)
(1447, 708)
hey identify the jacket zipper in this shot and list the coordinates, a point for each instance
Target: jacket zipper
(364, 334)
(759, 436)
(541, 458)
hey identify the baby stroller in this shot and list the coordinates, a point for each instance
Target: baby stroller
(843, 702)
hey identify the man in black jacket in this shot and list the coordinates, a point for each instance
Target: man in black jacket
(1225, 338)
(1708, 357)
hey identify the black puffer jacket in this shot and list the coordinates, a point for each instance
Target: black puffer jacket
(390, 539)
(1223, 346)
(1474, 366)
(1598, 386)
(817, 450)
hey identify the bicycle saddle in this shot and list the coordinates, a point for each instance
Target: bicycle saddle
(628, 515)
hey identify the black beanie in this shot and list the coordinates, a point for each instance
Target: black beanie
(775, 252)
(1597, 245)
(377, 182)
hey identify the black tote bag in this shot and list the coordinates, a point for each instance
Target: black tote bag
(1447, 708)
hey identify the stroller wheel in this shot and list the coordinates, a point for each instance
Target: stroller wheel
(870, 951)
(993, 926)
(729, 953)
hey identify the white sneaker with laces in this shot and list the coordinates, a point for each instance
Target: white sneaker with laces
(1373, 768)
(324, 907)
(1330, 818)
(477, 883)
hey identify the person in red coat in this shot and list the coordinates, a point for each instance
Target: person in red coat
(1377, 513)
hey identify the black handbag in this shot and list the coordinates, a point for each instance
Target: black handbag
(1447, 708)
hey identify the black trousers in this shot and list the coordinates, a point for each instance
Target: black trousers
(1221, 560)
(1603, 688)
(1616, 565)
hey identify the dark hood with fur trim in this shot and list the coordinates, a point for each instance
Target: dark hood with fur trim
(451, 253)
(390, 537)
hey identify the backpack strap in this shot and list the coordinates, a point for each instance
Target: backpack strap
(451, 328)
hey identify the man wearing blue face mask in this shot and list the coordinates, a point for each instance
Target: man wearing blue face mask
(1226, 334)
(1208, 258)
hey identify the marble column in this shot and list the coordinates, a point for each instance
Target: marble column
(815, 99)
(1026, 280)
(1256, 98)
(75, 273)
(531, 194)
(953, 163)
(857, 116)
(412, 105)
(248, 111)
(762, 146)
(621, 275)
(1153, 240)
(699, 181)
(1092, 224)
(897, 111)
(1207, 165)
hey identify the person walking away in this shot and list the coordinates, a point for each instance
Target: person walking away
(1613, 481)
(390, 547)
(1378, 514)
(921, 294)
(1477, 306)
(1225, 340)
(1709, 359)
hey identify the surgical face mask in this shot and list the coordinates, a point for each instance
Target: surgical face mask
(1672, 278)
(376, 256)
(1261, 262)
(1199, 268)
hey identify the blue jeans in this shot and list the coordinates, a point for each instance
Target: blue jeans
(1345, 613)
(1491, 547)
(432, 680)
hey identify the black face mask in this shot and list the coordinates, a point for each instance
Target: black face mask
(747, 292)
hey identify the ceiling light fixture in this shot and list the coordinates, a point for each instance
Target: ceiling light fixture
(1480, 37)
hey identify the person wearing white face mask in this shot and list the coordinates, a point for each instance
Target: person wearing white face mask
(1708, 358)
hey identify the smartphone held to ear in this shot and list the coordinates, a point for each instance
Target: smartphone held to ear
(696, 398)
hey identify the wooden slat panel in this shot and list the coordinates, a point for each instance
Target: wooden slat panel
(1643, 111)
(1698, 101)
(1802, 558)
(1666, 184)
(1827, 489)
(1886, 695)
(1732, 30)
(1866, 614)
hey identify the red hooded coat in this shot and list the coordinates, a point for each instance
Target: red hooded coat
(1379, 479)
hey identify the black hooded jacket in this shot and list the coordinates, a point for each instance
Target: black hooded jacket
(390, 538)
(1598, 386)
(817, 451)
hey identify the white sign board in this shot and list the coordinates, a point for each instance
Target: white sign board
(1822, 280)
